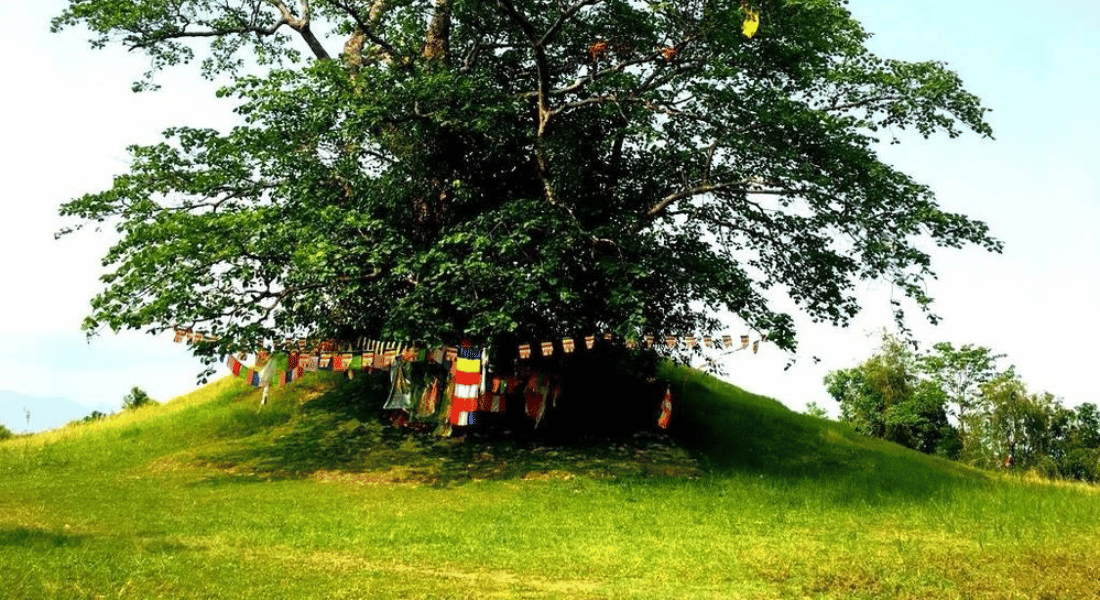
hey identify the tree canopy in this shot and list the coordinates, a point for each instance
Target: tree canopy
(503, 169)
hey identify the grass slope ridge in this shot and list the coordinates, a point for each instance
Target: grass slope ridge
(208, 496)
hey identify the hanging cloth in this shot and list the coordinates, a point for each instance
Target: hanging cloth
(665, 418)
(401, 386)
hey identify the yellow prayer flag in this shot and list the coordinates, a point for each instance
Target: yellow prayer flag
(752, 22)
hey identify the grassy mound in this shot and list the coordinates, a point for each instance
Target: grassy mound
(212, 496)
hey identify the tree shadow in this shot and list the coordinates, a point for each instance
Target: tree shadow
(38, 539)
(343, 435)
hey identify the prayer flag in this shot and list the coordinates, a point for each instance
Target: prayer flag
(670, 341)
(649, 341)
(608, 337)
(284, 377)
(666, 410)
(728, 341)
(744, 342)
(751, 24)
(234, 365)
(451, 354)
(755, 346)
(547, 348)
(589, 341)
(325, 363)
(255, 381)
(567, 345)
(342, 362)
(180, 333)
(525, 351)
(690, 341)
(708, 342)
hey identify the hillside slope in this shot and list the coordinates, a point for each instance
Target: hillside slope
(211, 495)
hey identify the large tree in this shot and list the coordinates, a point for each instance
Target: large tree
(503, 169)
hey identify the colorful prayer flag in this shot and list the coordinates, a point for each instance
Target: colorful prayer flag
(547, 348)
(744, 342)
(180, 334)
(525, 351)
(665, 418)
(755, 346)
(708, 342)
(567, 345)
(649, 341)
(234, 365)
(728, 341)
(342, 362)
(589, 341)
(670, 341)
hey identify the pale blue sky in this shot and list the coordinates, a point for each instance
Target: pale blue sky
(69, 115)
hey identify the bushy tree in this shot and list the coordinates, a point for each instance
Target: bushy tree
(885, 397)
(5, 433)
(136, 399)
(502, 169)
(960, 373)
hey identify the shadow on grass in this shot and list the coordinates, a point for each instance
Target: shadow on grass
(340, 436)
(37, 539)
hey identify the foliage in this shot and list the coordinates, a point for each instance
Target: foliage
(96, 415)
(137, 398)
(960, 373)
(902, 396)
(816, 410)
(513, 168)
(5, 433)
(884, 397)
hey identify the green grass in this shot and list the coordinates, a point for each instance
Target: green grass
(209, 496)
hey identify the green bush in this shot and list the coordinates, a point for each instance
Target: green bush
(136, 399)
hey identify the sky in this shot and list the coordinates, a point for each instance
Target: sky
(69, 115)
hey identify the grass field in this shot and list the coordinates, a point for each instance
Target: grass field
(207, 496)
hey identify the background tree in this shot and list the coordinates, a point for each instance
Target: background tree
(885, 397)
(816, 410)
(5, 433)
(135, 399)
(960, 373)
(494, 169)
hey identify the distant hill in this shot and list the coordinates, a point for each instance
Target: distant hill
(45, 413)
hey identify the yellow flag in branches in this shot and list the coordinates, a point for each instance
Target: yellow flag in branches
(752, 22)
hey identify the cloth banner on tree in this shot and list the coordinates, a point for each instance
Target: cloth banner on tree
(665, 418)
(467, 385)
